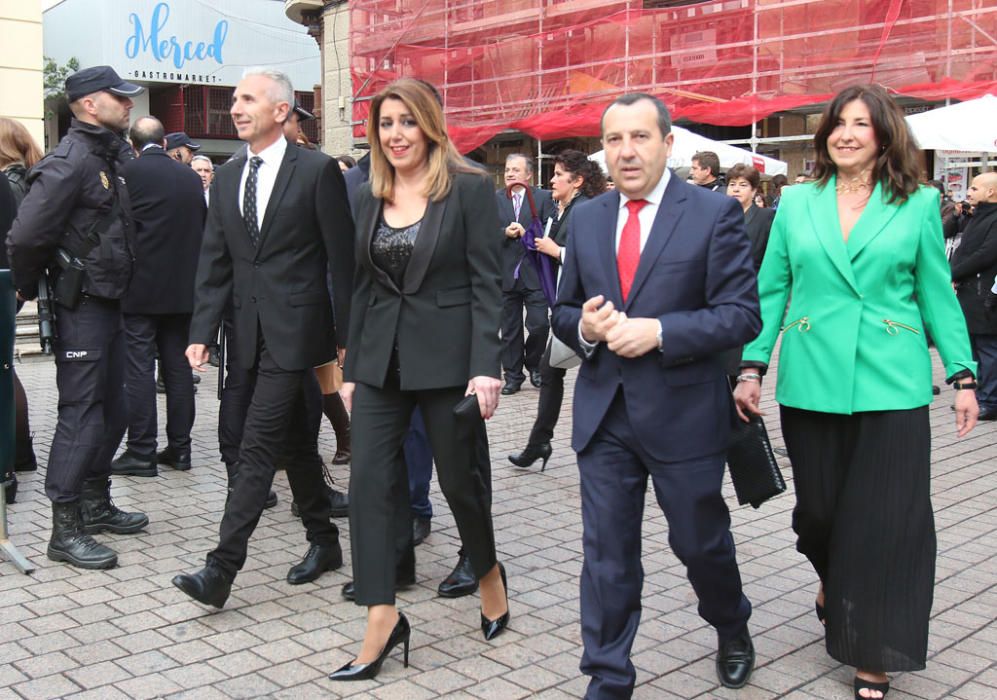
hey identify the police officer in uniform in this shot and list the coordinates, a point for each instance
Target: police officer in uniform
(75, 221)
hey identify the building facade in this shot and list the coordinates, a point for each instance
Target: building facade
(189, 55)
(21, 64)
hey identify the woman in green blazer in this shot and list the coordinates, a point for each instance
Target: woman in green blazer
(859, 257)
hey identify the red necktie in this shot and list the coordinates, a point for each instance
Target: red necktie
(628, 254)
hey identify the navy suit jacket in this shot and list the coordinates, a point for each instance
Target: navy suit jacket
(696, 276)
(512, 248)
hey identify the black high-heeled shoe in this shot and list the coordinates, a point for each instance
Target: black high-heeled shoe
(365, 672)
(526, 458)
(493, 628)
(862, 684)
(821, 615)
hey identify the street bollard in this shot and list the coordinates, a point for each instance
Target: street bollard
(8, 308)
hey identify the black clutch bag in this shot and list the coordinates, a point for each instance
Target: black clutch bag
(468, 414)
(752, 464)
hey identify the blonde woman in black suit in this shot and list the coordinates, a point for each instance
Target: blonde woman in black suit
(428, 300)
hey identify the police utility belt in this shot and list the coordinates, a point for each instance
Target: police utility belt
(68, 288)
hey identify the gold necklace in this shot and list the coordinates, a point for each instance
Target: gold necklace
(854, 185)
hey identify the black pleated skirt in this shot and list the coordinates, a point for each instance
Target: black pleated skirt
(863, 518)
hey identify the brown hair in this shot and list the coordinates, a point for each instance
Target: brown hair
(746, 172)
(896, 166)
(444, 158)
(578, 164)
(708, 159)
(16, 144)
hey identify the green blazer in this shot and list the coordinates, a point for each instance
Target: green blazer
(854, 334)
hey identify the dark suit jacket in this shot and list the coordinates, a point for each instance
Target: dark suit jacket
(279, 286)
(445, 318)
(512, 249)
(168, 209)
(758, 224)
(695, 275)
(974, 265)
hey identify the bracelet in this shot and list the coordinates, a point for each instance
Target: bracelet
(749, 377)
(960, 386)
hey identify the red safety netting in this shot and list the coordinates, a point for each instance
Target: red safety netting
(549, 67)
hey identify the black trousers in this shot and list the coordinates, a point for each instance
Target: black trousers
(863, 518)
(614, 471)
(549, 403)
(145, 335)
(277, 423)
(515, 351)
(89, 363)
(379, 503)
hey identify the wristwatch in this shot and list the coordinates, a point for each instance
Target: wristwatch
(959, 386)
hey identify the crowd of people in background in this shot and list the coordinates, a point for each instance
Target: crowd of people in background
(402, 295)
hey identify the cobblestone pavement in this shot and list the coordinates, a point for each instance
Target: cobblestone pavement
(127, 633)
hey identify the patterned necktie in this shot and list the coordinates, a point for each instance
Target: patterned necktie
(628, 255)
(249, 201)
(517, 202)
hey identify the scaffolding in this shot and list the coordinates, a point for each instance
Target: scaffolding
(549, 67)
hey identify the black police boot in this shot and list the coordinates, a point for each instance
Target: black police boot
(132, 464)
(72, 545)
(98, 512)
(339, 503)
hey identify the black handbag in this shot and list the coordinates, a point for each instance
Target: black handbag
(752, 464)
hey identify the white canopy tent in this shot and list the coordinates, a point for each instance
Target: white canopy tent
(966, 126)
(687, 144)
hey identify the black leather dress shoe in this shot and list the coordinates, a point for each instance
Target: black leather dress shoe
(511, 387)
(988, 414)
(271, 500)
(402, 582)
(461, 581)
(132, 464)
(535, 379)
(339, 504)
(172, 457)
(318, 560)
(735, 660)
(421, 527)
(210, 585)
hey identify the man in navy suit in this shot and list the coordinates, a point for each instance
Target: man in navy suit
(657, 284)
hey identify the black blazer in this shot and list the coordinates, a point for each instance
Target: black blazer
(758, 224)
(974, 265)
(445, 318)
(279, 286)
(168, 209)
(512, 249)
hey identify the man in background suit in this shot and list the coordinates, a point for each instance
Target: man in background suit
(520, 283)
(278, 222)
(657, 283)
(168, 208)
(205, 169)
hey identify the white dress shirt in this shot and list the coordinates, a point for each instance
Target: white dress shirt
(646, 217)
(266, 176)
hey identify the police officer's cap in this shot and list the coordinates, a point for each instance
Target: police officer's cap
(303, 114)
(97, 78)
(178, 139)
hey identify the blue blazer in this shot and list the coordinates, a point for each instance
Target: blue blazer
(696, 276)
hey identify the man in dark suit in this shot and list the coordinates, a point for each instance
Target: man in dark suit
(168, 208)
(974, 265)
(657, 283)
(520, 284)
(279, 220)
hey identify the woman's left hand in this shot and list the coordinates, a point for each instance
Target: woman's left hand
(966, 411)
(548, 247)
(487, 391)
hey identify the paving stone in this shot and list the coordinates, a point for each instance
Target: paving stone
(127, 633)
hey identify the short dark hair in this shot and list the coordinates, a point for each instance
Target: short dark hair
(779, 181)
(664, 118)
(348, 161)
(897, 165)
(577, 163)
(708, 159)
(146, 130)
(745, 171)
